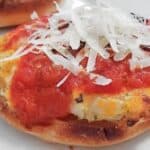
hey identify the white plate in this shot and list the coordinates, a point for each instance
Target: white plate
(11, 139)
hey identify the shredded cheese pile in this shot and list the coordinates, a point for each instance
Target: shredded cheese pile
(97, 24)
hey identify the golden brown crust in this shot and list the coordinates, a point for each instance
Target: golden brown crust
(18, 13)
(74, 132)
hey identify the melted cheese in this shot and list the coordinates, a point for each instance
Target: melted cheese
(7, 70)
(98, 107)
(1, 43)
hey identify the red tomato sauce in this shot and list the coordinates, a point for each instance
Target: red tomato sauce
(122, 78)
(14, 37)
(21, 33)
(34, 93)
(37, 100)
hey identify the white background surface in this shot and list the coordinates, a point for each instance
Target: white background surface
(11, 139)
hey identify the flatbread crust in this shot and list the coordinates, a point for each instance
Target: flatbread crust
(81, 133)
(18, 12)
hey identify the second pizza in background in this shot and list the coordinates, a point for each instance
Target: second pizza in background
(15, 12)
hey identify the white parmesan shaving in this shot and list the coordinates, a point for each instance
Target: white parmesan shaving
(144, 62)
(61, 82)
(99, 79)
(34, 15)
(60, 60)
(91, 61)
(57, 6)
(96, 23)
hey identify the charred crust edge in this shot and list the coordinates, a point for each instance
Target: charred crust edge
(3, 103)
(101, 132)
(131, 122)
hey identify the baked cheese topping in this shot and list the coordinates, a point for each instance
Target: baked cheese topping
(7, 70)
(97, 24)
(98, 107)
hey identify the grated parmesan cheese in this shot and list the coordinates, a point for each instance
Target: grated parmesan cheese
(61, 82)
(34, 15)
(99, 79)
(96, 23)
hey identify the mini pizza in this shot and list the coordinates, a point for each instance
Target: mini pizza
(14, 12)
(80, 76)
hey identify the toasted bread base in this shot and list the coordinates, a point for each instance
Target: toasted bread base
(20, 13)
(81, 134)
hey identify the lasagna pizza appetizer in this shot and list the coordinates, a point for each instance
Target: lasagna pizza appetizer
(14, 12)
(80, 76)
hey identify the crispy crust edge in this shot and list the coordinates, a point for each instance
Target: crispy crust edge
(75, 134)
(19, 14)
